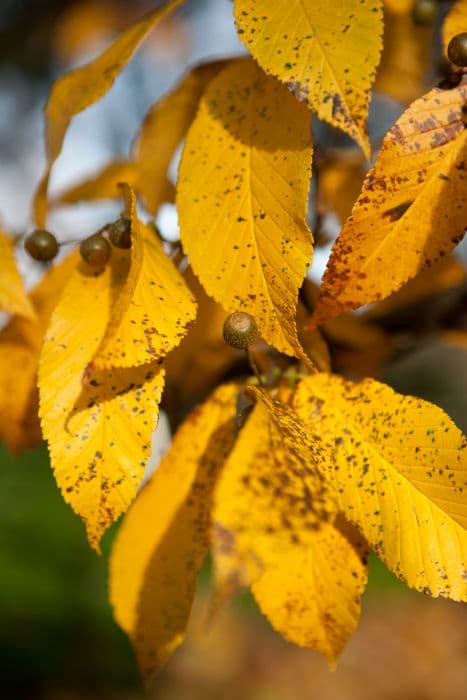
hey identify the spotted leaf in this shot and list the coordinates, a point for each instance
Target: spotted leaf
(98, 423)
(399, 466)
(242, 217)
(165, 535)
(412, 209)
(154, 307)
(326, 53)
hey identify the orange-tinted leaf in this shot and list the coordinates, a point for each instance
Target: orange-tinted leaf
(154, 308)
(20, 344)
(242, 217)
(13, 298)
(98, 423)
(165, 535)
(326, 53)
(82, 87)
(163, 130)
(412, 209)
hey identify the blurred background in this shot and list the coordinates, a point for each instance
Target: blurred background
(57, 636)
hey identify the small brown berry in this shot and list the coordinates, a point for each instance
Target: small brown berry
(240, 330)
(457, 50)
(424, 12)
(120, 233)
(95, 250)
(41, 245)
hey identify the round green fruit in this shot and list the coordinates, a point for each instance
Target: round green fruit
(95, 250)
(240, 330)
(41, 245)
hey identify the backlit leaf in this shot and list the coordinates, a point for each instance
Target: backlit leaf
(165, 535)
(455, 22)
(273, 529)
(272, 489)
(242, 198)
(154, 308)
(312, 597)
(20, 344)
(98, 423)
(82, 87)
(326, 53)
(163, 130)
(104, 185)
(401, 476)
(407, 49)
(412, 209)
(13, 298)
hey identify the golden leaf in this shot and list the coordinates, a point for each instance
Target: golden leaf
(154, 307)
(104, 185)
(400, 473)
(272, 489)
(20, 345)
(98, 423)
(242, 199)
(407, 51)
(326, 53)
(163, 129)
(273, 529)
(13, 298)
(82, 87)
(455, 22)
(412, 209)
(165, 535)
(312, 596)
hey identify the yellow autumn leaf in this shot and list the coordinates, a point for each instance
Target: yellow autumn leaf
(326, 53)
(242, 198)
(163, 129)
(455, 22)
(404, 71)
(313, 596)
(398, 6)
(103, 185)
(13, 298)
(98, 423)
(400, 471)
(165, 535)
(154, 308)
(412, 209)
(273, 528)
(82, 87)
(20, 345)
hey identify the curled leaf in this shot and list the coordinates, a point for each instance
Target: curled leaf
(13, 298)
